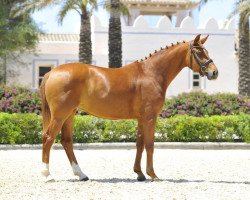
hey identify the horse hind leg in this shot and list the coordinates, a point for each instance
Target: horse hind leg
(53, 129)
(67, 143)
(149, 128)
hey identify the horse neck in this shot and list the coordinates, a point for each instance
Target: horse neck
(167, 63)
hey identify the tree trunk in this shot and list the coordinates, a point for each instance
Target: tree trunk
(85, 45)
(244, 58)
(3, 70)
(115, 36)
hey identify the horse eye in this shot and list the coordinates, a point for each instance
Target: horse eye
(200, 53)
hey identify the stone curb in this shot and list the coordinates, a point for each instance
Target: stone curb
(130, 145)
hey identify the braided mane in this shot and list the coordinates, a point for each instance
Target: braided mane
(161, 49)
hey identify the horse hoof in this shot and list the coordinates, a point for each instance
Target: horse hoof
(50, 179)
(155, 179)
(84, 179)
(141, 178)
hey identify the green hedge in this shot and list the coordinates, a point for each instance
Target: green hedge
(26, 128)
(20, 128)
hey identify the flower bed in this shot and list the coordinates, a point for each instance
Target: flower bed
(200, 104)
(19, 100)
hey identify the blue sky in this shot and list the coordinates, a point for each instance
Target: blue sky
(47, 18)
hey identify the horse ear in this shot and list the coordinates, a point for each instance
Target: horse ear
(197, 38)
(203, 40)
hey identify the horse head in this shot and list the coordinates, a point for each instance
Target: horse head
(199, 60)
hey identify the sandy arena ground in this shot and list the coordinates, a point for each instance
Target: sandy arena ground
(185, 174)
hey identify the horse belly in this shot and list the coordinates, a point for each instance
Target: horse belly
(111, 107)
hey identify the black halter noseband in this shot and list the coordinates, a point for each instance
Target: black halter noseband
(204, 65)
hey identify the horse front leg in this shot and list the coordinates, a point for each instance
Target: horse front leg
(148, 129)
(139, 150)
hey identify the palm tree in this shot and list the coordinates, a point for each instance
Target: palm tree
(242, 7)
(83, 7)
(116, 8)
(115, 35)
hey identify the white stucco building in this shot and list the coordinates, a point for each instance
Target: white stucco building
(138, 41)
(170, 8)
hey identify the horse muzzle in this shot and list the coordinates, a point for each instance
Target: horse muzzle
(212, 74)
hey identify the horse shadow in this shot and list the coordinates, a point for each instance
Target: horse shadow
(205, 181)
(108, 180)
(178, 181)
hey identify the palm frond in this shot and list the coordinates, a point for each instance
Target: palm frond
(245, 5)
(88, 5)
(240, 6)
(66, 7)
(244, 11)
(122, 8)
(85, 3)
(78, 3)
(201, 4)
(44, 3)
(93, 5)
(233, 13)
(125, 10)
(31, 6)
(245, 18)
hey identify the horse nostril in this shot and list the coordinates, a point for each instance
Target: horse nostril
(215, 73)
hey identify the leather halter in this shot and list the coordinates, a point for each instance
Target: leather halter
(204, 65)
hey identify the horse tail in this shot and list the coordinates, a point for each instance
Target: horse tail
(45, 107)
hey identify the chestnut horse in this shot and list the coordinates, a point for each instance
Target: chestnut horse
(135, 91)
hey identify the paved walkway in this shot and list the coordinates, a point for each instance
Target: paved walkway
(185, 174)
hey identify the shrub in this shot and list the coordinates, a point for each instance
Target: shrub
(207, 129)
(201, 104)
(19, 100)
(88, 129)
(26, 128)
(20, 128)
(119, 131)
